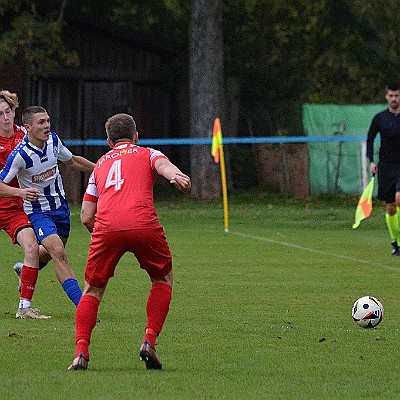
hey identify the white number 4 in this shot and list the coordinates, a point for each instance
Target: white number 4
(114, 176)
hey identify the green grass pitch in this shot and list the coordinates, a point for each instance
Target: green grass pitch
(263, 312)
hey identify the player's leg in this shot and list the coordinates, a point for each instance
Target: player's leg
(16, 224)
(27, 240)
(157, 308)
(12, 222)
(394, 225)
(387, 188)
(55, 247)
(44, 257)
(392, 222)
(49, 228)
(64, 273)
(86, 318)
(154, 256)
(106, 249)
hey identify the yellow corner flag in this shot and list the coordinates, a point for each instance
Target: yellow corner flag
(217, 151)
(364, 206)
(216, 140)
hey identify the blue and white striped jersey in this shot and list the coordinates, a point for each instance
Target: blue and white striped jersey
(38, 168)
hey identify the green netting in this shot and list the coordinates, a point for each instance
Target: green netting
(337, 166)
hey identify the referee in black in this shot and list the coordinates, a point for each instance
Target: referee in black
(387, 124)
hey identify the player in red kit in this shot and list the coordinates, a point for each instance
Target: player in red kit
(125, 177)
(13, 219)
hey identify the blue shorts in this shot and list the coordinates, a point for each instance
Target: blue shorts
(51, 222)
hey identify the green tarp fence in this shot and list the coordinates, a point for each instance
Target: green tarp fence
(338, 166)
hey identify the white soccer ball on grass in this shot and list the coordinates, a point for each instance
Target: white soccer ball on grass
(367, 312)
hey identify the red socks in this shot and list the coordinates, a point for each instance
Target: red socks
(86, 318)
(28, 277)
(157, 308)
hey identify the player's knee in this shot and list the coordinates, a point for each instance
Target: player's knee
(391, 209)
(29, 246)
(58, 254)
(94, 291)
(32, 248)
(168, 279)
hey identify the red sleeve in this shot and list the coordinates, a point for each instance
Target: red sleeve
(89, 197)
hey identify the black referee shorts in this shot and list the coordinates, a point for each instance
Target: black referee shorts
(388, 181)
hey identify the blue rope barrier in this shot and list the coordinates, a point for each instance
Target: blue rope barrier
(226, 140)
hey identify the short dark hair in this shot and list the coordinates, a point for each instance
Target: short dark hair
(393, 86)
(28, 113)
(119, 127)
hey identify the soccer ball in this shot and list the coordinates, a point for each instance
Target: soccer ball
(367, 312)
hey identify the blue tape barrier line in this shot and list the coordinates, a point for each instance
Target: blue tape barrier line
(225, 140)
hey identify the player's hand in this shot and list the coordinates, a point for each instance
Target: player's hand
(30, 194)
(373, 169)
(181, 182)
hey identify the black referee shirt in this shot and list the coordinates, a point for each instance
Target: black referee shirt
(388, 125)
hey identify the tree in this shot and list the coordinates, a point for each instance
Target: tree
(33, 38)
(206, 82)
(280, 54)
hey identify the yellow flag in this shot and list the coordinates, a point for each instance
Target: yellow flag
(217, 151)
(216, 140)
(364, 206)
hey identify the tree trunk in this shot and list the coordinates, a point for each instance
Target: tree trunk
(231, 127)
(206, 92)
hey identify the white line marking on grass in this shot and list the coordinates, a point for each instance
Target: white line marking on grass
(311, 250)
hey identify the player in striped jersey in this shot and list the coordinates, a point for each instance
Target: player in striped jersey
(34, 163)
(13, 220)
(118, 209)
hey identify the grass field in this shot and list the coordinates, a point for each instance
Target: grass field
(263, 312)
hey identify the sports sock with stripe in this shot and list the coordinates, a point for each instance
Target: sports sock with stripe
(28, 278)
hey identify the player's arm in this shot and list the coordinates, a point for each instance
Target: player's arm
(169, 171)
(372, 133)
(89, 204)
(7, 174)
(79, 163)
(373, 168)
(88, 212)
(30, 194)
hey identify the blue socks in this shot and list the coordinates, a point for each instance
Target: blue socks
(72, 289)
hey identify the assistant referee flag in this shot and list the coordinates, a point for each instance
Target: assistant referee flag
(364, 206)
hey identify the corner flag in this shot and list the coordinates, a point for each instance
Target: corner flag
(217, 151)
(216, 140)
(364, 206)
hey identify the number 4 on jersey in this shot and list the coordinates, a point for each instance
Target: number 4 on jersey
(114, 176)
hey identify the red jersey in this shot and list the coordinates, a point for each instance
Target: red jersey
(122, 185)
(7, 145)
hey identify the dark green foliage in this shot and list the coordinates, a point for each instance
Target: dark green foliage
(283, 52)
(33, 38)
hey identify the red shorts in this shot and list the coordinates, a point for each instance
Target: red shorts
(149, 246)
(13, 221)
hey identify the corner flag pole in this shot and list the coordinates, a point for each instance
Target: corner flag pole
(217, 151)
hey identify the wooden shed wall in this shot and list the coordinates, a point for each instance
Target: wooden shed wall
(118, 73)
